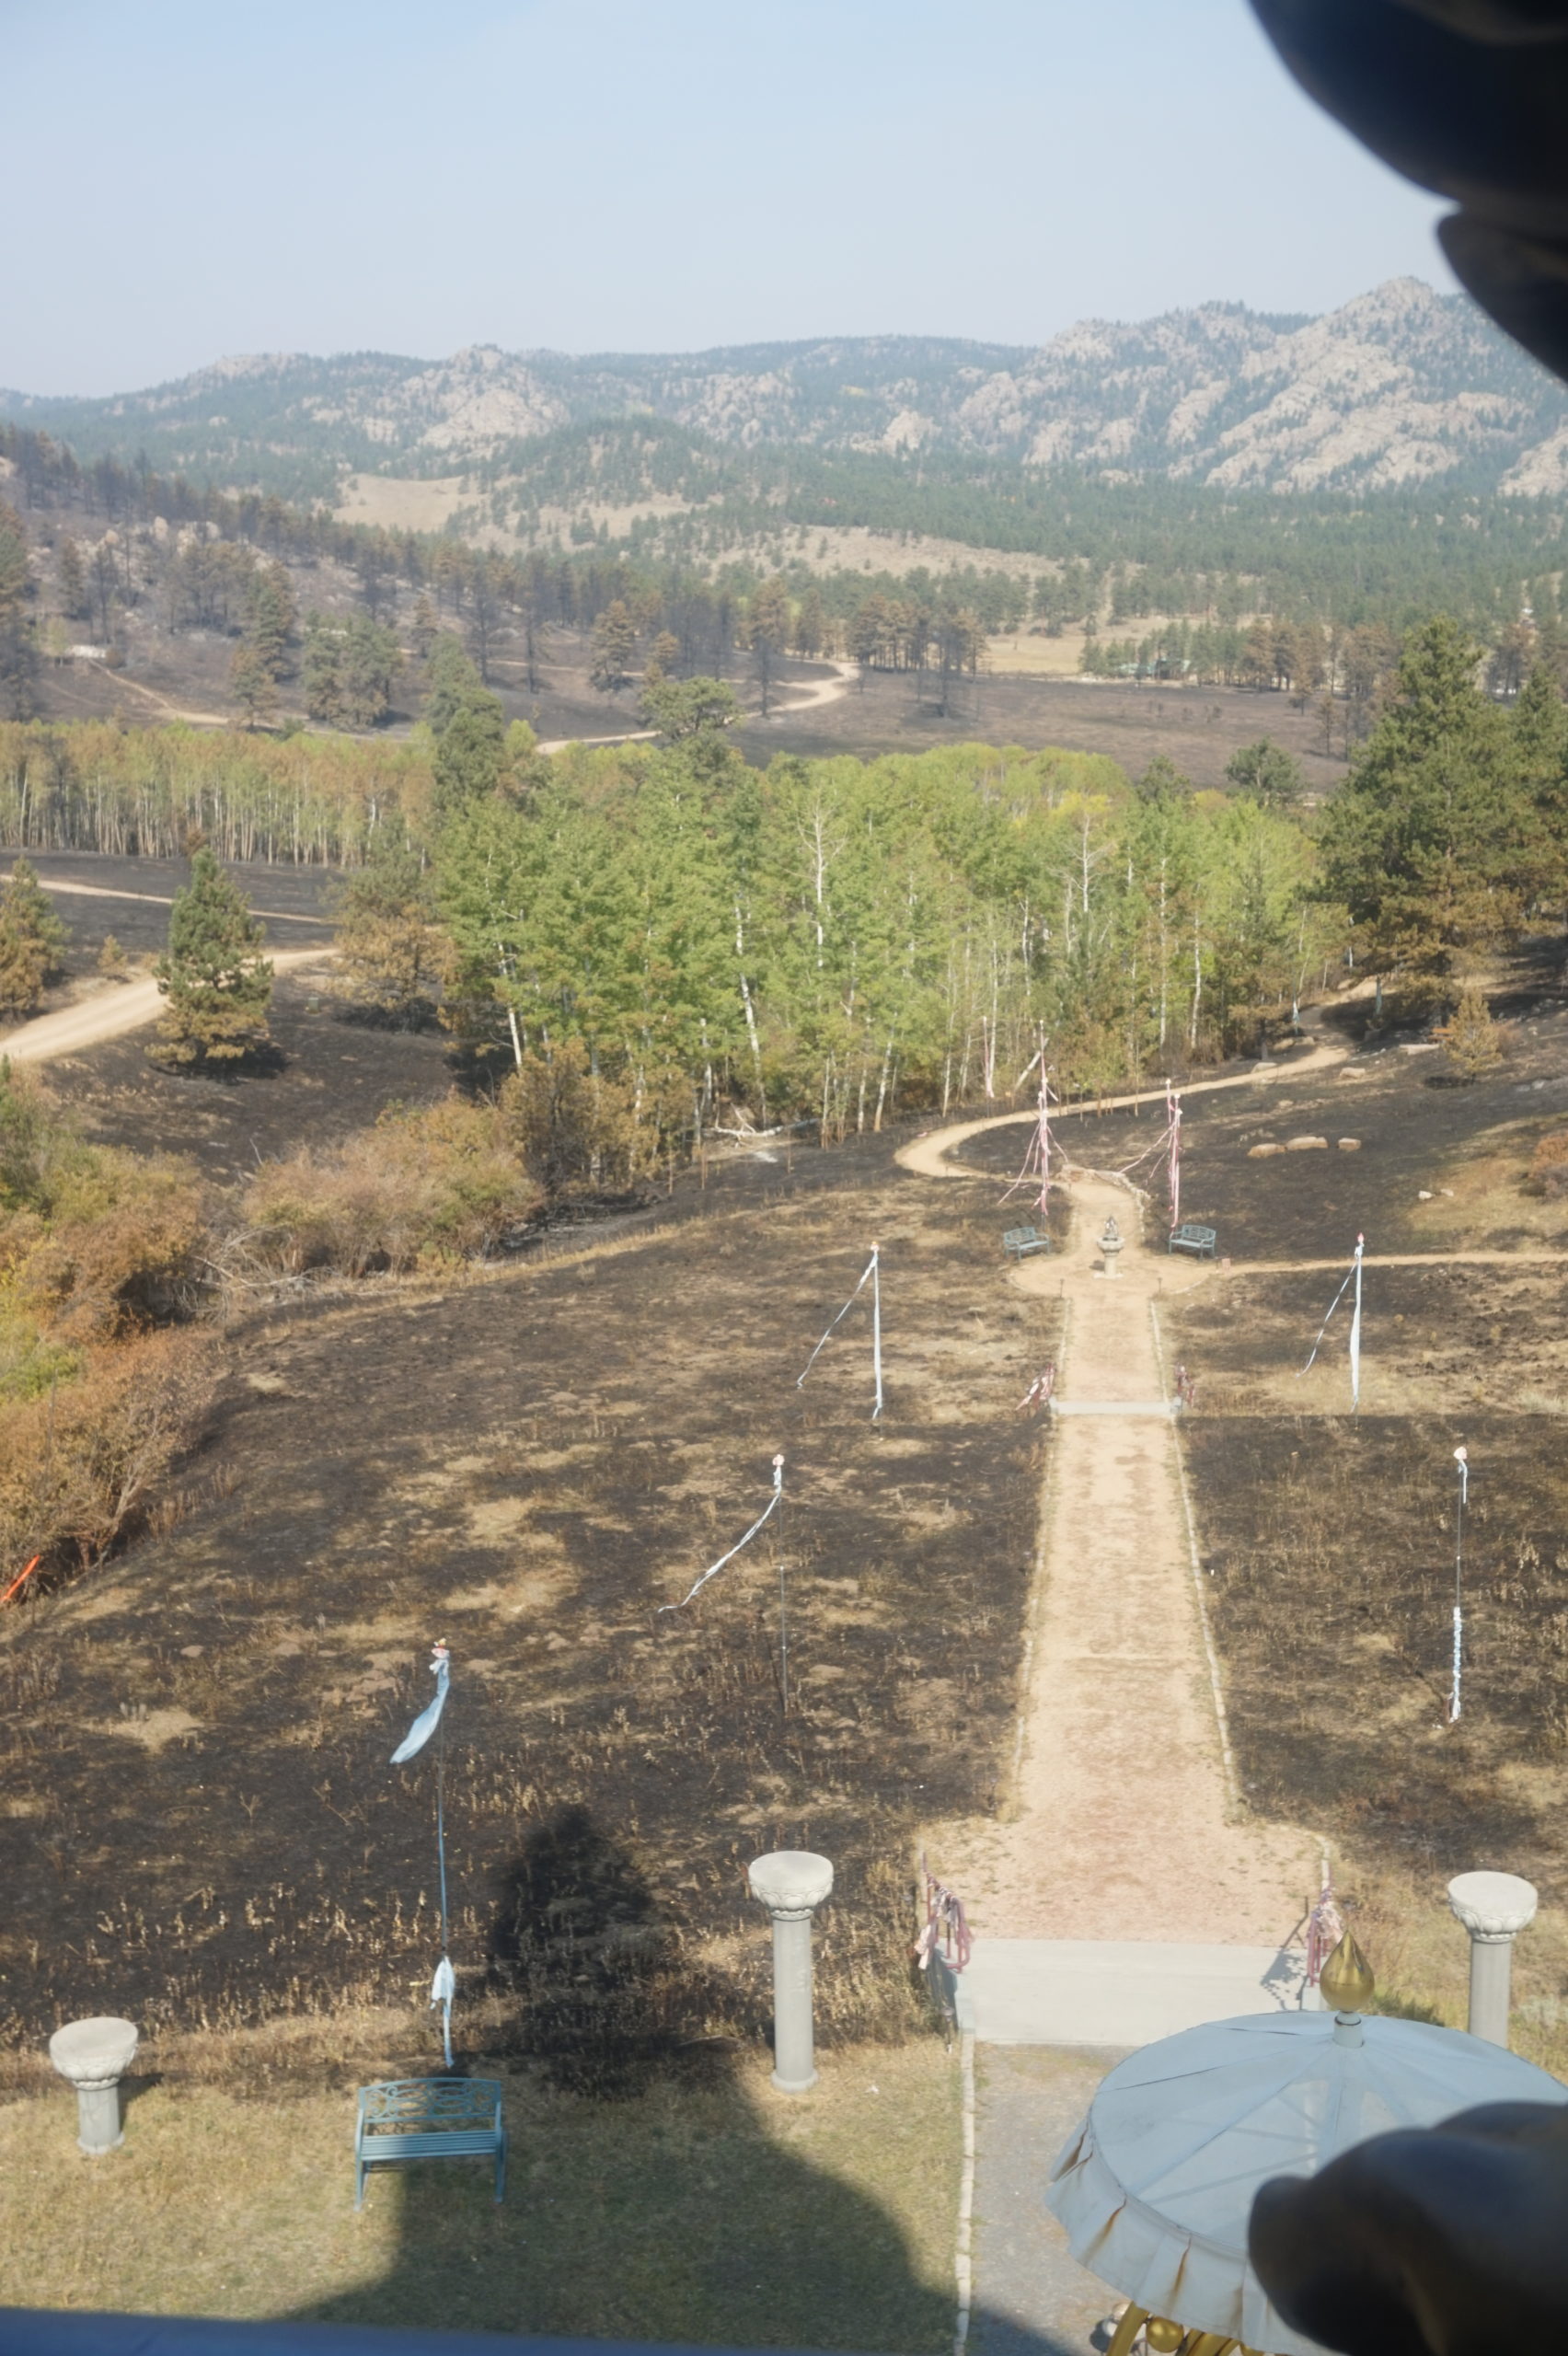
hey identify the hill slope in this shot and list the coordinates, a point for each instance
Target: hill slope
(1401, 387)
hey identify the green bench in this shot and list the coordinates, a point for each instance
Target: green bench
(1020, 1242)
(429, 2119)
(1190, 1236)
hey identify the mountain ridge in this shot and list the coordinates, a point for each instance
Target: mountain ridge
(1400, 387)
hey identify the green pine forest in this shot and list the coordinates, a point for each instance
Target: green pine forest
(699, 943)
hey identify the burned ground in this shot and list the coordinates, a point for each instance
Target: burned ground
(199, 1815)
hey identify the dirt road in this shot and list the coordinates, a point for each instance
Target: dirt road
(111, 1011)
(929, 1155)
(165, 900)
(812, 693)
(1125, 1827)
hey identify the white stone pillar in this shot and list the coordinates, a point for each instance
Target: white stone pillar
(791, 1883)
(95, 2056)
(1493, 1909)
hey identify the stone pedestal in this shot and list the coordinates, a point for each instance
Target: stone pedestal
(95, 2056)
(791, 1883)
(1493, 1908)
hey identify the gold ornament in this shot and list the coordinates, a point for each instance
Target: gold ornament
(1346, 1979)
(1164, 2337)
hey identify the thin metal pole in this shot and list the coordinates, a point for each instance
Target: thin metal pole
(440, 1863)
(876, 1325)
(1462, 1461)
(1355, 1336)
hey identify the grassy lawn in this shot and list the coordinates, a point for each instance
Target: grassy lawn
(726, 2214)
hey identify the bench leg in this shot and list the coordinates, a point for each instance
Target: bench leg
(359, 2184)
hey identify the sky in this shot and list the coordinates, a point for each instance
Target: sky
(203, 178)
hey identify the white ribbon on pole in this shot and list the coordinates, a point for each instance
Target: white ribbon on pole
(714, 1568)
(1353, 1276)
(429, 1719)
(1461, 1458)
(876, 1326)
(871, 1274)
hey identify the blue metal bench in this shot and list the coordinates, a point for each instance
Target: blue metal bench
(1190, 1236)
(429, 2119)
(1020, 1242)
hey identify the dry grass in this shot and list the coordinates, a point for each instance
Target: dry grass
(725, 2214)
(530, 1459)
(437, 1183)
(1329, 1542)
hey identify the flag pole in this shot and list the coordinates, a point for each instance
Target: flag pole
(876, 1326)
(1461, 1458)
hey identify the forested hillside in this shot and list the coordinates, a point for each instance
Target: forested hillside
(1401, 387)
(124, 591)
(648, 932)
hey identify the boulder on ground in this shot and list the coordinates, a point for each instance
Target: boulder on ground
(1260, 1152)
(1350, 1145)
(1306, 1145)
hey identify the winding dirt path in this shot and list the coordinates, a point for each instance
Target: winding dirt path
(113, 1010)
(812, 692)
(929, 1155)
(1126, 1825)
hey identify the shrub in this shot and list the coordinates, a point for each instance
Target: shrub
(574, 1128)
(1473, 1042)
(1548, 1172)
(80, 1465)
(93, 1243)
(438, 1182)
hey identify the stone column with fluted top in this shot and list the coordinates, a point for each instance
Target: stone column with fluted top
(791, 1884)
(95, 2056)
(1493, 1908)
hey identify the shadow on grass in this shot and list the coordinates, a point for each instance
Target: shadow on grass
(656, 2189)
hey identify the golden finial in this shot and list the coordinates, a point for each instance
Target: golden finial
(1346, 1979)
(1163, 2336)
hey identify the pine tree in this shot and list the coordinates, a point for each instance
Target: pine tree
(391, 950)
(471, 755)
(425, 628)
(216, 981)
(1473, 1042)
(451, 681)
(73, 581)
(614, 637)
(274, 619)
(1433, 843)
(32, 939)
(252, 684)
(1266, 771)
(19, 647)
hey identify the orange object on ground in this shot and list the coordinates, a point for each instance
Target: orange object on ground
(21, 1577)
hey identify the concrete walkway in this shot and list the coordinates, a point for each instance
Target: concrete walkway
(1117, 1991)
(1033, 2298)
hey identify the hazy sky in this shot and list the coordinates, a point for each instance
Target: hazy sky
(202, 177)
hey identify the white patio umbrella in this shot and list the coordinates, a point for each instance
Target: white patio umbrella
(1156, 2187)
